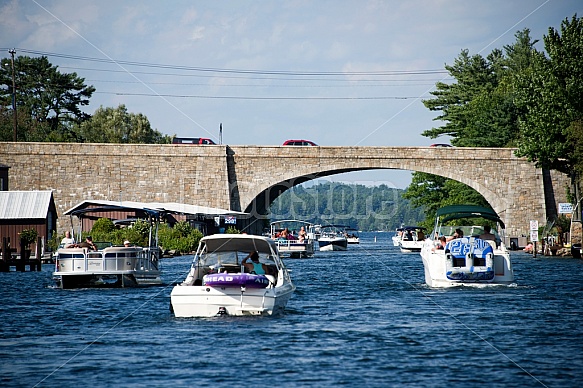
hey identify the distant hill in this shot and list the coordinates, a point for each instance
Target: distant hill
(362, 207)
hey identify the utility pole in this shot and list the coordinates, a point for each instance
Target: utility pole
(12, 52)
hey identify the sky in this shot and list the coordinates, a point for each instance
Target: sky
(337, 72)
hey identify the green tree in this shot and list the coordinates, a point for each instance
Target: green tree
(551, 91)
(51, 101)
(479, 110)
(116, 125)
(473, 75)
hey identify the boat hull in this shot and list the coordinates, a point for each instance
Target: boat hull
(207, 301)
(106, 280)
(295, 249)
(111, 267)
(410, 246)
(333, 245)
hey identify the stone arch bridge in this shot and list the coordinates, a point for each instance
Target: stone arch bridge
(249, 178)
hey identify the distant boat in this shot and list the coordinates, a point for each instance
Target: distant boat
(332, 238)
(351, 236)
(412, 238)
(293, 245)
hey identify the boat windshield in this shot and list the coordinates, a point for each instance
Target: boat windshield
(226, 258)
(469, 231)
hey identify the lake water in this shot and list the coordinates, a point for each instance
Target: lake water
(363, 318)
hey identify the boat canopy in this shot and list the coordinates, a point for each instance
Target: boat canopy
(454, 212)
(81, 212)
(238, 242)
(290, 221)
(411, 228)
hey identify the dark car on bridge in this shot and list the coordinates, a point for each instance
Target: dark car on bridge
(440, 145)
(299, 143)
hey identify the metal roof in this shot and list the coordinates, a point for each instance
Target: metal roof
(25, 204)
(170, 207)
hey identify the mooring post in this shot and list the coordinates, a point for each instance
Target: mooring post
(6, 255)
(21, 263)
(38, 261)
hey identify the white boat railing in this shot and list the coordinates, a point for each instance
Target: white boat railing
(111, 259)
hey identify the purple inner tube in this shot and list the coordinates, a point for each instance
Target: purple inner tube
(236, 280)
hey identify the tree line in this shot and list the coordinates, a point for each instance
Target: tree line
(366, 208)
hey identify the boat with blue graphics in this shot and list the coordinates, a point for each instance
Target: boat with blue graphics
(472, 252)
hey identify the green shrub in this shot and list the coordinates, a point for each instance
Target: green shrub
(182, 238)
(28, 236)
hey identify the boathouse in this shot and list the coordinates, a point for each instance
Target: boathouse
(20, 210)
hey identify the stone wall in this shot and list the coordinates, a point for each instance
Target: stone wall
(119, 172)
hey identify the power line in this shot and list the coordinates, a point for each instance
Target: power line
(236, 71)
(258, 98)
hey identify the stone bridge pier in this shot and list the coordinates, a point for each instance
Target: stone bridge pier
(249, 178)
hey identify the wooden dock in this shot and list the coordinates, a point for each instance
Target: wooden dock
(11, 257)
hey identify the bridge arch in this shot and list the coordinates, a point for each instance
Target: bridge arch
(513, 186)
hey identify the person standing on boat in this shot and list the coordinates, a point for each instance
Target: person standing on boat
(68, 241)
(302, 234)
(255, 266)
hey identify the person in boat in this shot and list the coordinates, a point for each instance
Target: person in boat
(126, 243)
(302, 234)
(88, 243)
(408, 236)
(487, 235)
(440, 244)
(457, 234)
(68, 241)
(420, 235)
(254, 266)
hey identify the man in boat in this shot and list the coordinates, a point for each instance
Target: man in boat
(88, 243)
(68, 241)
(487, 235)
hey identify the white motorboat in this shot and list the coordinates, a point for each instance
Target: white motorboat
(477, 258)
(218, 283)
(109, 266)
(293, 238)
(332, 238)
(412, 238)
(351, 236)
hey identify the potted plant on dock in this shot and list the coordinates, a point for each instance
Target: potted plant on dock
(27, 237)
